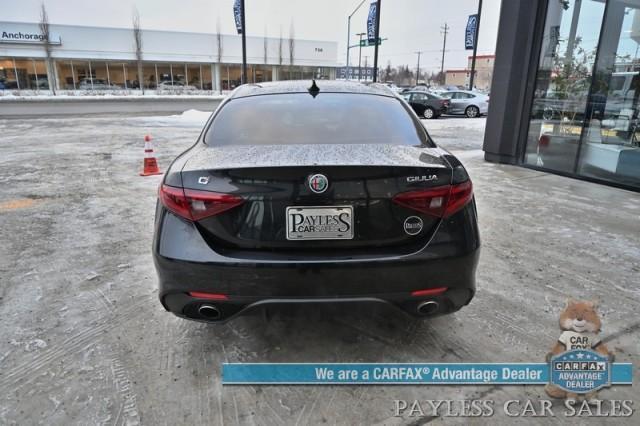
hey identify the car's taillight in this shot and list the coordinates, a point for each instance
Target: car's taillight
(195, 205)
(441, 201)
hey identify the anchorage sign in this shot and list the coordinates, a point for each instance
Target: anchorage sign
(27, 37)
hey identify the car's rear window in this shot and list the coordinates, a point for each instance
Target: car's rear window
(329, 118)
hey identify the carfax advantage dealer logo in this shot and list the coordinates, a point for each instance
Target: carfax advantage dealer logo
(580, 371)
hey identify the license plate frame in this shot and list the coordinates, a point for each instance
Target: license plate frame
(330, 219)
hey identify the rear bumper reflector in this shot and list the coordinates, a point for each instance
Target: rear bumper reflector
(208, 296)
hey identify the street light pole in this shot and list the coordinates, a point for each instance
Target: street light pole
(360, 55)
(349, 36)
(475, 46)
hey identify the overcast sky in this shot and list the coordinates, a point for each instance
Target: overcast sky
(409, 25)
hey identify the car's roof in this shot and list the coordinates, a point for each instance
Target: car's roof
(302, 86)
(471, 92)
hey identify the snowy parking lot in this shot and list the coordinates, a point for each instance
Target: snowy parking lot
(84, 339)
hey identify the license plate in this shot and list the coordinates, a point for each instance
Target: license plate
(320, 223)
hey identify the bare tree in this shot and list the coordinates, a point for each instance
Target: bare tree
(219, 40)
(46, 34)
(292, 48)
(280, 49)
(219, 51)
(137, 37)
(266, 50)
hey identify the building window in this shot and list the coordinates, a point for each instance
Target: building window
(230, 76)
(164, 75)
(610, 146)
(263, 73)
(585, 116)
(563, 80)
(207, 76)
(24, 74)
(118, 74)
(193, 77)
(149, 75)
(8, 74)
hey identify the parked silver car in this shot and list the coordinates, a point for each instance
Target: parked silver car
(96, 84)
(471, 104)
(176, 85)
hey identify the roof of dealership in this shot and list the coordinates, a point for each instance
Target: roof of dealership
(20, 39)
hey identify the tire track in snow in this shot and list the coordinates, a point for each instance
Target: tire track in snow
(128, 413)
(28, 371)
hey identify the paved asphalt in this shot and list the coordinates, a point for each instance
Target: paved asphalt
(84, 340)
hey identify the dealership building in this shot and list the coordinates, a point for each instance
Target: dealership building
(99, 58)
(483, 72)
(565, 94)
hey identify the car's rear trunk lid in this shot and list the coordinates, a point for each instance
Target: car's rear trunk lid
(362, 181)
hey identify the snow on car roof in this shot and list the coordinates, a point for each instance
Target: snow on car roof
(302, 86)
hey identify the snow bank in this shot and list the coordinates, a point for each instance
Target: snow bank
(33, 96)
(189, 118)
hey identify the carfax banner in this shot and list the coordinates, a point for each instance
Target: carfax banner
(577, 376)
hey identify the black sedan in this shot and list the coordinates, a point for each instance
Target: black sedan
(305, 193)
(427, 105)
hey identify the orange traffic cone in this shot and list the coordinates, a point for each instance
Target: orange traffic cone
(150, 163)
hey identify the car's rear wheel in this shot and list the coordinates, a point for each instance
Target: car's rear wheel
(429, 113)
(472, 111)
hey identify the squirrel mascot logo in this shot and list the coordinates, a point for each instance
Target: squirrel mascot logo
(580, 325)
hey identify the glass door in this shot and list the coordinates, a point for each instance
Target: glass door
(560, 106)
(610, 148)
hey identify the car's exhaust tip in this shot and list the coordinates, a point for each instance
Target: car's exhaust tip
(428, 307)
(209, 312)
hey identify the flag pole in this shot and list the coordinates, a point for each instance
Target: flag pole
(244, 44)
(475, 46)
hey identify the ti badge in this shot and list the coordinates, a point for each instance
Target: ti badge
(580, 371)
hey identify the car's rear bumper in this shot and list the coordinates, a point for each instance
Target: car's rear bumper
(185, 263)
